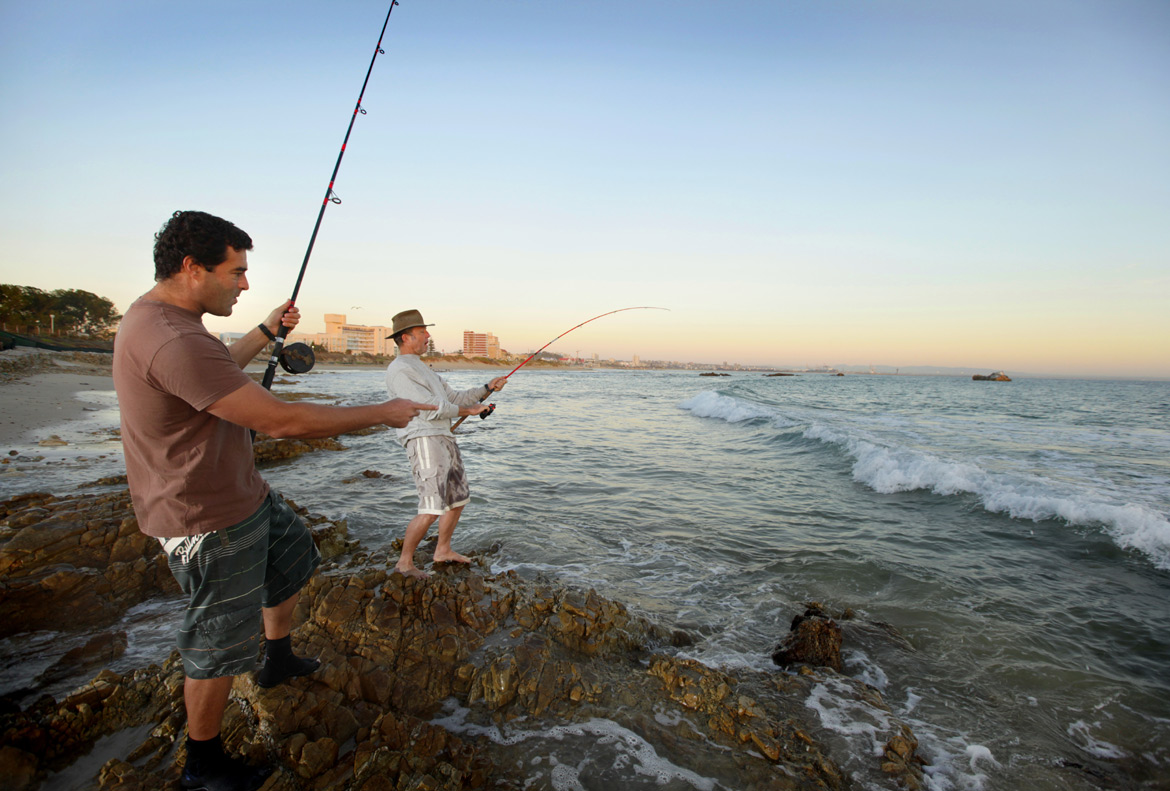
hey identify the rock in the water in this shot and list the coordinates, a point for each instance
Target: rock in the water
(814, 639)
(900, 758)
(265, 449)
(100, 650)
(17, 767)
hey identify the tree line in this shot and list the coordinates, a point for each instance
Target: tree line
(64, 311)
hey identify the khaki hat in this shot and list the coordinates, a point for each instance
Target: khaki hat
(406, 320)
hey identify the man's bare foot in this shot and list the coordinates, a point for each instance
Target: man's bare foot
(411, 571)
(451, 557)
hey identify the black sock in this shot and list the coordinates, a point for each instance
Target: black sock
(278, 650)
(281, 663)
(203, 754)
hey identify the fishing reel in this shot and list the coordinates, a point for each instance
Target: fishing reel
(297, 358)
(491, 408)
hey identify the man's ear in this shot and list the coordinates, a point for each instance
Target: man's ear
(191, 267)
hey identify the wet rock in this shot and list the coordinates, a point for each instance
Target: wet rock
(365, 432)
(366, 474)
(331, 536)
(55, 734)
(99, 650)
(814, 639)
(900, 758)
(17, 767)
(85, 555)
(82, 555)
(396, 652)
(266, 450)
(113, 480)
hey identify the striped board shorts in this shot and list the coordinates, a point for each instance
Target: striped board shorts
(228, 575)
(438, 474)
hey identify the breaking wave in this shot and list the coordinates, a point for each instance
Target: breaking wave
(886, 463)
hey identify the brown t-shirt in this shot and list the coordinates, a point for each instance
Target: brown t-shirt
(189, 472)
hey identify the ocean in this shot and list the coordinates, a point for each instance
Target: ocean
(1009, 540)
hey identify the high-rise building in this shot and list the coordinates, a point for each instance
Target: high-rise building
(341, 336)
(480, 344)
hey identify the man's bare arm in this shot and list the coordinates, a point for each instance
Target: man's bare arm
(251, 406)
(247, 347)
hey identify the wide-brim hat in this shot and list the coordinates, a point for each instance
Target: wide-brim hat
(406, 320)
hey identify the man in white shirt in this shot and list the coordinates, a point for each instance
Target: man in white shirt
(434, 457)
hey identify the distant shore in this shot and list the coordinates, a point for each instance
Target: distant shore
(440, 366)
(38, 391)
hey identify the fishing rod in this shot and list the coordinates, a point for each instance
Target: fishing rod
(298, 357)
(542, 348)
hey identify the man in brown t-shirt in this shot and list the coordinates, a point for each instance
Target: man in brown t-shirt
(237, 550)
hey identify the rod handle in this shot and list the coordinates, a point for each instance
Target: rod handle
(482, 398)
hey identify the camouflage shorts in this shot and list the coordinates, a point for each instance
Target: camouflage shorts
(438, 474)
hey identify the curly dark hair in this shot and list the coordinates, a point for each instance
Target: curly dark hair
(198, 234)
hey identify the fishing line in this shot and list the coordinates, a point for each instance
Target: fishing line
(542, 348)
(298, 358)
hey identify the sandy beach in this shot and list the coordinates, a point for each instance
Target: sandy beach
(38, 390)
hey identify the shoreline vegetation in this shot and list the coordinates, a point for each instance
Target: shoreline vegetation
(417, 677)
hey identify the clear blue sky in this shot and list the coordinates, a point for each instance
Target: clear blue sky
(903, 183)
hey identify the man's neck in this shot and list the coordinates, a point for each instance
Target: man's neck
(172, 293)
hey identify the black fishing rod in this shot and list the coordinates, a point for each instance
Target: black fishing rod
(541, 349)
(298, 357)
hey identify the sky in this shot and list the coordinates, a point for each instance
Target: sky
(970, 183)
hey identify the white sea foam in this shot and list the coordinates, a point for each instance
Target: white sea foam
(977, 753)
(865, 670)
(621, 749)
(1082, 733)
(847, 716)
(863, 730)
(733, 410)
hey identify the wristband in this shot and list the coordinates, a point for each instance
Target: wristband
(267, 332)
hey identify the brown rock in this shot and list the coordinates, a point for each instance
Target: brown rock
(100, 650)
(396, 651)
(265, 449)
(814, 639)
(900, 758)
(316, 757)
(17, 767)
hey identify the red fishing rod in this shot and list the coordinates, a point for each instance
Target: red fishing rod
(542, 348)
(298, 357)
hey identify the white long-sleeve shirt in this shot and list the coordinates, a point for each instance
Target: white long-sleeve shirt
(409, 377)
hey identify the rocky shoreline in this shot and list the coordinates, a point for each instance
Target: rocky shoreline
(420, 680)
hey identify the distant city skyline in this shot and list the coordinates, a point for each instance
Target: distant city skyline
(342, 335)
(893, 182)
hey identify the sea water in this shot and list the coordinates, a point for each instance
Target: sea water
(1005, 545)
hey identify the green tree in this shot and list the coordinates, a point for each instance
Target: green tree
(69, 311)
(82, 312)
